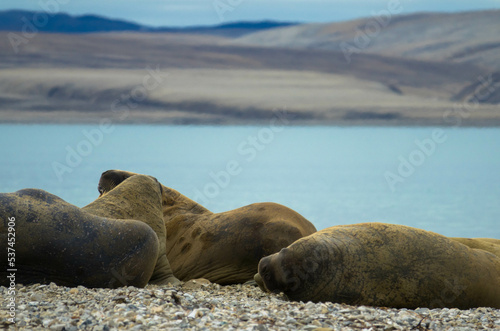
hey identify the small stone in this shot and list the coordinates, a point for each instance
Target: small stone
(343, 311)
(47, 323)
(316, 322)
(423, 311)
(156, 310)
(120, 299)
(37, 297)
(131, 315)
(310, 305)
(324, 309)
(195, 284)
(188, 297)
(73, 291)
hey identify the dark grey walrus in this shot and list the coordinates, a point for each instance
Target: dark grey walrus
(45, 239)
(383, 265)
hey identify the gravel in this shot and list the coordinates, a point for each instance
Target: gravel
(200, 305)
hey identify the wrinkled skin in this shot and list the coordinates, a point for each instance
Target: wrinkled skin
(139, 198)
(224, 248)
(380, 264)
(58, 242)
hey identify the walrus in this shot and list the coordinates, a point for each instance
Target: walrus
(224, 248)
(45, 239)
(140, 198)
(172, 201)
(486, 244)
(380, 264)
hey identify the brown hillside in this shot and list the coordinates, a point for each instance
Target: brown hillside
(207, 79)
(469, 37)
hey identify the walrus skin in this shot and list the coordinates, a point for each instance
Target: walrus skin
(55, 241)
(140, 198)
(224, 248)
(380, 264)
(486, 244)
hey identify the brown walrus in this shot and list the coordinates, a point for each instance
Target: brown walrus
(380, 264)
(45, 239)
(224, 248)
(486, 244)
(140, 198)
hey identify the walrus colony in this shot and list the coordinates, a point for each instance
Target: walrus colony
(138, 231)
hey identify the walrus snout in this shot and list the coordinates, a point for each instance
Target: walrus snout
(263, 273)
(111, 179)
(267, 275)
(258, 279)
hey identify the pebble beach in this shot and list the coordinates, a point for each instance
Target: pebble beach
(200, 305)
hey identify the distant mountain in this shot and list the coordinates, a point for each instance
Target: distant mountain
(235, 29)
(466, 37)
(17, 20)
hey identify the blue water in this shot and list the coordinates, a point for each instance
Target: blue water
(331, 175)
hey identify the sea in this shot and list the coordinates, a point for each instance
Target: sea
(445, 180)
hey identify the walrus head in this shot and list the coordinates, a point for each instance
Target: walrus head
(293, 270)
(112, 178)
(280, 272)
(170, 197)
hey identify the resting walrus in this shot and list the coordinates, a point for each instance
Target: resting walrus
(224, 248)
(486, 244)
(54, 241)
(140, 198)
(383, 265)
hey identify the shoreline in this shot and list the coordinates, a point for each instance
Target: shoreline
(55, 118)
(196, 305)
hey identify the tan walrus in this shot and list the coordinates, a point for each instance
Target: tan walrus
(380, 264)
(45, 239)
(486, 244)
(224, 248)
(140, 198)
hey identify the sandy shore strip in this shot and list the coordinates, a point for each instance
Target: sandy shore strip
(200, 306)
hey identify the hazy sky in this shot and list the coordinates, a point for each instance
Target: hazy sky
(209, 12)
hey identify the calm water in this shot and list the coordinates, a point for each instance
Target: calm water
(443, 180)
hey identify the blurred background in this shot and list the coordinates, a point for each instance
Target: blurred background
(346, 111)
